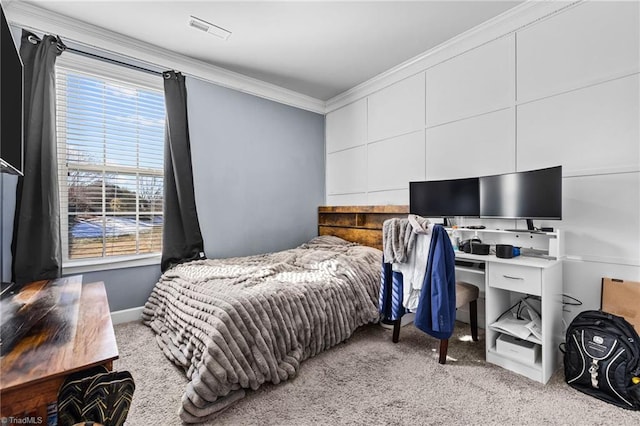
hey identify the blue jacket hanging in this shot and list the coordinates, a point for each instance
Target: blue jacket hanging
(436, 313)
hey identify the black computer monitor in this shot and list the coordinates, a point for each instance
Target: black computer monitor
(534, 194)
(445, 198)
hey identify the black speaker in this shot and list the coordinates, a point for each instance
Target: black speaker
(504, 251)
(465, 245)
(479, 248)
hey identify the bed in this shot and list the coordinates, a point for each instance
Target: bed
(234, 324)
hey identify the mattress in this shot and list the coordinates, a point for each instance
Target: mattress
(233, 324)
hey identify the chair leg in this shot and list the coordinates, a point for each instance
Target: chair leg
(444, 345)
(473, 319)
(396, 331)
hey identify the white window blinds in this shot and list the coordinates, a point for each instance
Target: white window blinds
(110, 128)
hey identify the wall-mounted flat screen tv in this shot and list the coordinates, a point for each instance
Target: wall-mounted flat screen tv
(534, 194)
(11, 153)
(445, 198)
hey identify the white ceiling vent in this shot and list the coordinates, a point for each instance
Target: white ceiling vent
(209, 28)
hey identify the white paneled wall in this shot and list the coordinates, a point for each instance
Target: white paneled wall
(594, 42)
(397, 110)
(376, 145)
(477, 146)
(601, 219)
(403, 156)
(347, 128)
(589, 130)
(561, 90)
(347, 171)
(479, 81)
(398, 197)
(346, 165)
(359, 199)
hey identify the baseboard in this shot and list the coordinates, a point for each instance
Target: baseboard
(126, 315)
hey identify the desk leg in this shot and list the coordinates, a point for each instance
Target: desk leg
(396, 330)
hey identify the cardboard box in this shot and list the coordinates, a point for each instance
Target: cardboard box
(518, 349)
(622, 298)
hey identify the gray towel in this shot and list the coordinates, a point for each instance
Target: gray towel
(399, 235)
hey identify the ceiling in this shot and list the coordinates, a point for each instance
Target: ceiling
(319, 49)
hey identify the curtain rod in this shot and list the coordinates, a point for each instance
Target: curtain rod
(115, 61)
(35, 40)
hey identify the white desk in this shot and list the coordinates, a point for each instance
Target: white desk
(506, 281)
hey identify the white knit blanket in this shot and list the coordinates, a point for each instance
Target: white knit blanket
(234, 324)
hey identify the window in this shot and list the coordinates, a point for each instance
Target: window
(110, 132)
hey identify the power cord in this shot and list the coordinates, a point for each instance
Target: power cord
(519, 306)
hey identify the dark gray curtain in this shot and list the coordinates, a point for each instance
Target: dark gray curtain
(181, 238)
(36, 245)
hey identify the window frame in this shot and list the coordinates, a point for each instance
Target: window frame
(103, 70)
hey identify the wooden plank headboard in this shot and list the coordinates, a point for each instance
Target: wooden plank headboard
(360, 224)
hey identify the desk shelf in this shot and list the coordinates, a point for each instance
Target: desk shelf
(531, 338)
(545, 243)
(532, 371)
(470, 270)
(504, 231)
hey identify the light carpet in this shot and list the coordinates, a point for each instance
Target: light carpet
(368, 380)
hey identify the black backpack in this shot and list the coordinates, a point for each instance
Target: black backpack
(602, 358)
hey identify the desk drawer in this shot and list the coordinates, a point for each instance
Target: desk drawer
(518, 278)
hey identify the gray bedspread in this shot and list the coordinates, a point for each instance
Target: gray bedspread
(234, 324)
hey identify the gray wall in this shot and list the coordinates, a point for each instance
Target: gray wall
(258, 170)
(259, 178)
(127, 287)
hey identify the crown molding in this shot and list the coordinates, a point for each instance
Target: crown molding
(517, 18)
(34, 18)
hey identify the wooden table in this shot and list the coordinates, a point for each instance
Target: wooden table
(76, 334)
